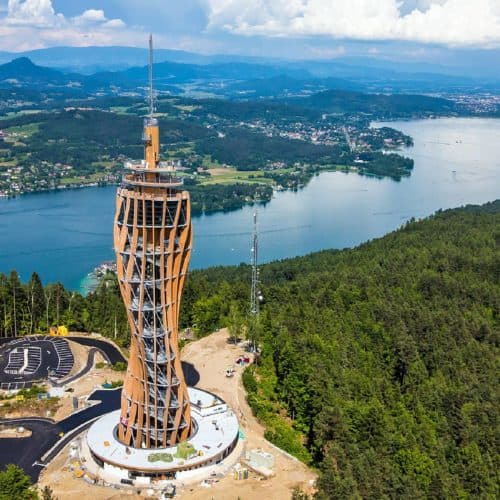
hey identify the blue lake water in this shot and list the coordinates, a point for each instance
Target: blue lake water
(64, 235)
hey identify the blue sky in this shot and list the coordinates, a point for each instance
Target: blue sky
(304, 28)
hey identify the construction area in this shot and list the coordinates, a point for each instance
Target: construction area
(255, 469)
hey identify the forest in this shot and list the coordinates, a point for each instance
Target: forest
(379, 105)
(378, 365)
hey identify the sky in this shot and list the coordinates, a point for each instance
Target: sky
(277, 28)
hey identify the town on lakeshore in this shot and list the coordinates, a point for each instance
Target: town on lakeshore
(252, 254)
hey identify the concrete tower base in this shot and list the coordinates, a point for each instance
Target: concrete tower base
(214, 438)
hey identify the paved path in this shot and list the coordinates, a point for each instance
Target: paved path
(109, 350)
(89, 365)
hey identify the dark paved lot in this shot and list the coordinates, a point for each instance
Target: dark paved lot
(25, 451)
(191, 374)
(110, 401)
(113, 354)
(49, 360)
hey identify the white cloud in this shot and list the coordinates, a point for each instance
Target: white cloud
(35, 13)
(29, 24)
(114, 24)
(452, 22)
(90, 16)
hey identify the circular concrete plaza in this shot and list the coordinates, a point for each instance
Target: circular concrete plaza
(215, 437)
(25, 360)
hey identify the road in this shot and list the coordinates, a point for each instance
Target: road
(28, 452)
(88, 366)
(25, 451)
(110, 351)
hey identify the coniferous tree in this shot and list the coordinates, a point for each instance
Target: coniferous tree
(36, 302)
(15, 484)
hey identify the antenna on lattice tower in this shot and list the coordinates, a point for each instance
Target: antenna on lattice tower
(255, 294)
(151, 92)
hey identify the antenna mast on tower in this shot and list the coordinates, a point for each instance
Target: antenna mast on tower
(151, 96)
(254, 299)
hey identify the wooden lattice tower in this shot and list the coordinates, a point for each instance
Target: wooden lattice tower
(153, 238)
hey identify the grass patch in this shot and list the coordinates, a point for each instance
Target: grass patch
(185, 107)
(230, 175)
(8, 163)
(25, 130)
(184, 450)
(160, 457)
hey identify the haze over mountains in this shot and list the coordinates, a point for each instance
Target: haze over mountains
(240, 77)
(233, 76)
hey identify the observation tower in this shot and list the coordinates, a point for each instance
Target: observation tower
(164, 430)
(153, 238)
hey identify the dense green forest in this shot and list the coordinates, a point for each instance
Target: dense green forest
(379, 365)
(249, 150)
(225, 197)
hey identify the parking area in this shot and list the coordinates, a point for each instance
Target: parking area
(25, 360)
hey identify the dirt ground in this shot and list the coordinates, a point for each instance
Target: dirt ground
(80, 355)
(211, 356)
(14, 432)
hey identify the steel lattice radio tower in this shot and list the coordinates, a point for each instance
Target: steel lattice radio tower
(254, 299)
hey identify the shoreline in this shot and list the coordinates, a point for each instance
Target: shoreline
(335, 210)
(58, 189)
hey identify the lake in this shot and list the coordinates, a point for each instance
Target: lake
(64, 235)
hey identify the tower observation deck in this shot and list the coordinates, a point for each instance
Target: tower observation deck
(152, 240)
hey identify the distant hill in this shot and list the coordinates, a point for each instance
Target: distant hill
(342, 101)
(23, 70)
(459, 70)
(236, 80)
(173, 72)
(457, 62)
(283, 85)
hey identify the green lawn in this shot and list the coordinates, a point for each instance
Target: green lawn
(77, 180)
(104, 163)
(8, 163)
(233, 176)
(120, 110)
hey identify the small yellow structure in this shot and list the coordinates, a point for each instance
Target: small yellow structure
(58, 331)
